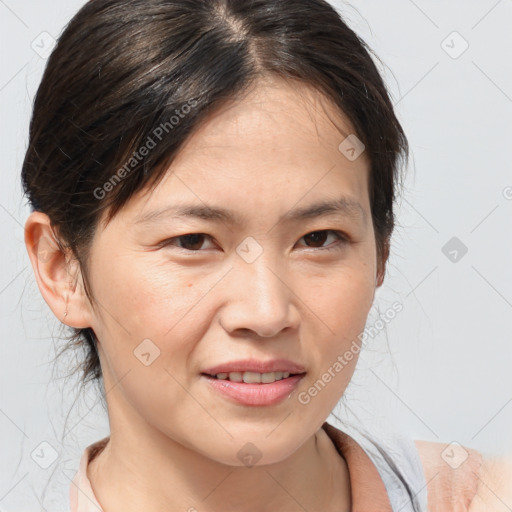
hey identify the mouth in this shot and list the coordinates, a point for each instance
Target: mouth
(253, 388)
(253, 377)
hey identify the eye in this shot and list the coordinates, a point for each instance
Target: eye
(319, 237)
(191, 242)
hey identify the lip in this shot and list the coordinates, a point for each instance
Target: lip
(253, 365)
(255, 394)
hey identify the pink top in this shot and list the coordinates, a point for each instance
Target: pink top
(448, 488)
(81, 495)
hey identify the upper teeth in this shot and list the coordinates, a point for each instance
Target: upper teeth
(253, 377)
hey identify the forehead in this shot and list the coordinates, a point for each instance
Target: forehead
(276, 147)
(273, 116)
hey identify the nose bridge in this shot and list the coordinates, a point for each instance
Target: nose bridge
(261, 282)
(260, 299)
(261, 278)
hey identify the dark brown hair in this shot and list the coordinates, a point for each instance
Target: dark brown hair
(124, 71)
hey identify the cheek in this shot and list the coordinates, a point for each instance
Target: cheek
(338, 308)
(340, 298)
(168, 307)
(143, 297)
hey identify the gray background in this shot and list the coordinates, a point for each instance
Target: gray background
(440, 371)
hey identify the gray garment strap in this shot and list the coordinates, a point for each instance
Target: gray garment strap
(399, 465)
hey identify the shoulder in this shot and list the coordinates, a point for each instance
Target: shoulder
(462, 478)
(452, 475)
(494, 493)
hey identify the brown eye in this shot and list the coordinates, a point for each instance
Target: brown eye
(190, 242)
(193, 242)
(318, 238)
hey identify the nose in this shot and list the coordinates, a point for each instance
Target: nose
(259, 299)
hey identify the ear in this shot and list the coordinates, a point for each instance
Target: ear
(57, 273)
(381, 265)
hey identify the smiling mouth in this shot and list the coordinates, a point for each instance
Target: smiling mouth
(253, 377)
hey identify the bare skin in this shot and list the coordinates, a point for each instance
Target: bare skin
(494, 493)
(174, 441)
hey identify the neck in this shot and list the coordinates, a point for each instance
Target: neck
(153, 473)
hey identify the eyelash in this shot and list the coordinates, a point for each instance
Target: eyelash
(335, 246)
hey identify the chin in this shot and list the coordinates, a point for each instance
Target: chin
(251, 451)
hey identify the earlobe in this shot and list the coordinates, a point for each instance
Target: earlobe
(57, 274)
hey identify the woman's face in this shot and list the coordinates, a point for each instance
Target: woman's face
(266, 283)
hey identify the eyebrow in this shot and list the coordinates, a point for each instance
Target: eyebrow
(345, 206)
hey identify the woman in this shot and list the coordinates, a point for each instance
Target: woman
(263, 130)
